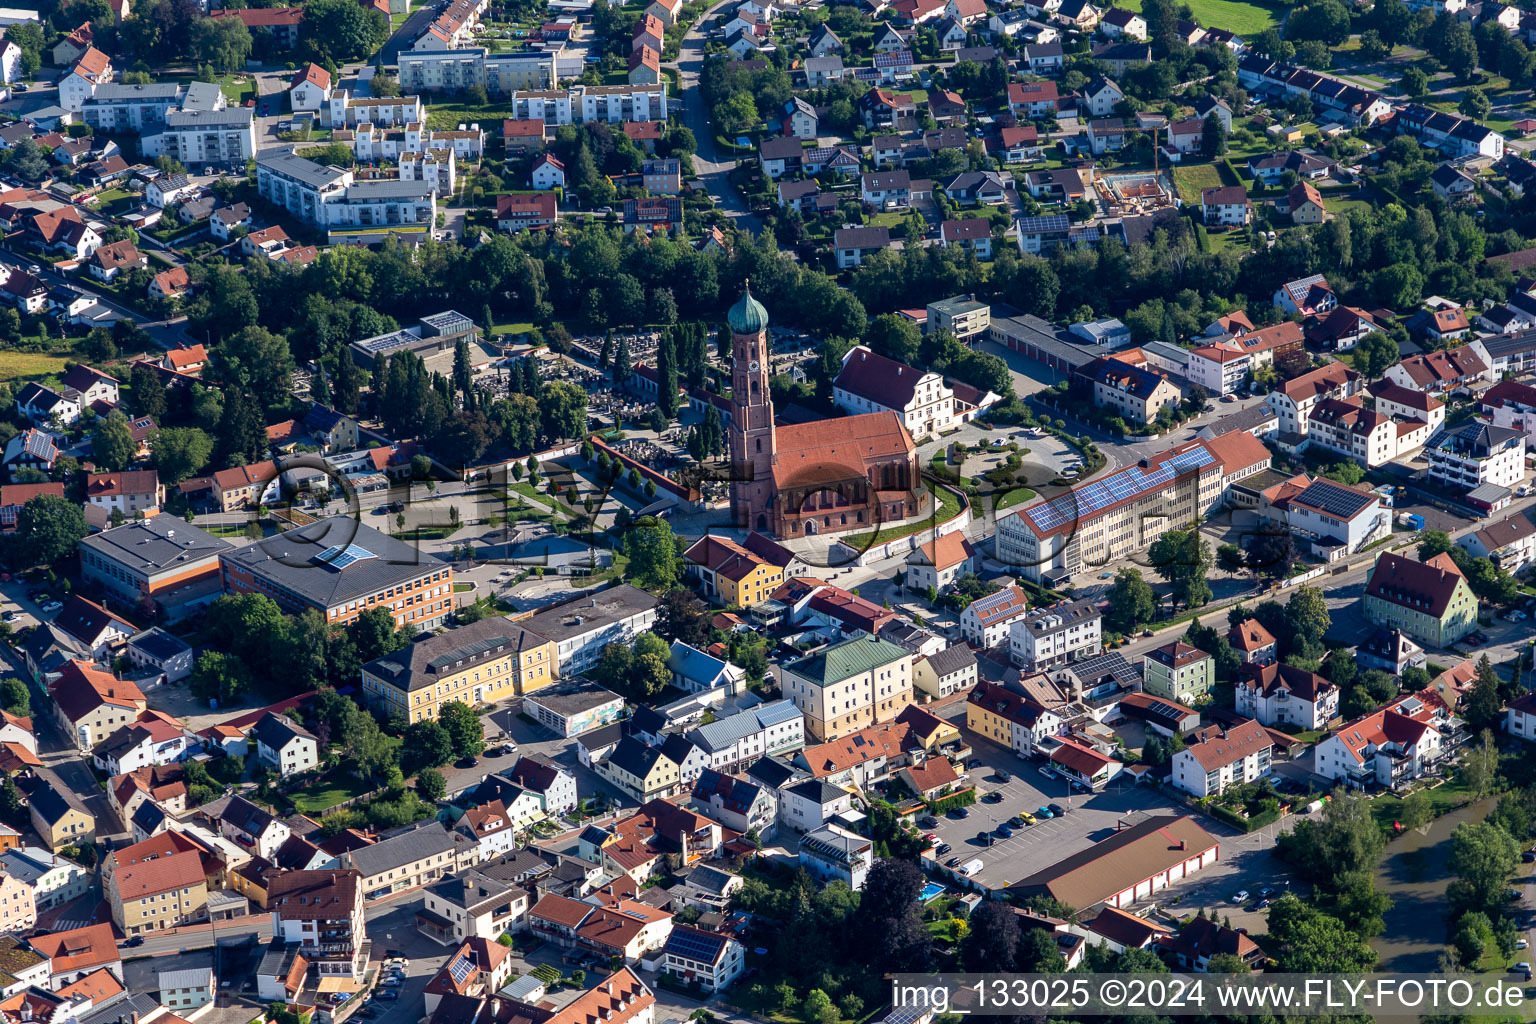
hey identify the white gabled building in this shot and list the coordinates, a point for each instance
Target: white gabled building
(870, 382)
(1218, 757)
(1509, 543)
(1062, 632)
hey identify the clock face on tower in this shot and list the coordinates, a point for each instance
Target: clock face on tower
(753, 367)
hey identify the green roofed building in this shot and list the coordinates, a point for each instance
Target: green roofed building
(850, 685)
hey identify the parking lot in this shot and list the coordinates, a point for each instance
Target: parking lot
(1090, 817)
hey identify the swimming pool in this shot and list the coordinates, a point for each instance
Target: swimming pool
(930, 891)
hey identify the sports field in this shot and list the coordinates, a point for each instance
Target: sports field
(1246, 19)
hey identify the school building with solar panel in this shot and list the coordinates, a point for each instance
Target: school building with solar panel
(340, 567)
(1118, 515)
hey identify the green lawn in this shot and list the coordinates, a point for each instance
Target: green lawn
(1017, 496)
(325, 794)
(1190, 179)
(1246, 19)
(949, 507)
(238, 88)
(519, 327)
(1338, 205)
(14, 365)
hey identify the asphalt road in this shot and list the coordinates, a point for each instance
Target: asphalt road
(166, 333)
(711, 165)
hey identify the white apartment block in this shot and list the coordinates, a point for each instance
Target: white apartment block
(347, 111)
(457, 70)
(1218, 757)
(1058, 633)
(1294, 400)
(329, 197)
(1473, 454)
(196, 138)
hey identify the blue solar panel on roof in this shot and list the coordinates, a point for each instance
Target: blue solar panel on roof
(459, 969)
(693, 946)
(1121, 486)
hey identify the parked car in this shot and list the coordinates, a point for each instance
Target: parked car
(51, 607)
(1003, 776)
(1026, 817)
(1058, 810)
(134, 942)
(984, 838)
(1044, 812)
(1004, 831)
(1017, 821)
(941, 849)
(927, 821)
(389, 994)
(952, 862)
(1240, 897)
(993, 797)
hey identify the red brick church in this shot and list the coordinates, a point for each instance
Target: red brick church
(844, 475)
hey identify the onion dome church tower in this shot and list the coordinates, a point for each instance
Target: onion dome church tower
(751, 433)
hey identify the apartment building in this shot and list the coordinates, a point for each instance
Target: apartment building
(1466, 457)
(743, 575)
(1124, 512)
(456, 70)
(341, 568)
(1509, 543)
(132, 493)
(117, 107)
(986, 621)
(1389, 747)
(205, 138)
(1056, 634)
(869, 382)
(155, 885)
(582, 627)
(849, 685)
(481, 663)
(1440, 372)
(1279, 695)
(1430, 601)
(1511, 405)
(1367, 436)
(410, 860)
(321, 913)
(1129, 392)
(330, 197)
(472, 905)
(1294, 400)
(1218, 757)
(1010, 718)
(736, 741)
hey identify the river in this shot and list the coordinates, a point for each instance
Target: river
(1415, 872)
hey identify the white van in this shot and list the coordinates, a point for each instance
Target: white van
(969, 868)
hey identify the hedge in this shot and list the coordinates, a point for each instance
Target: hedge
(943, 805)
(1247, 824)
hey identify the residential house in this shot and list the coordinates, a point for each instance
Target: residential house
(1178, 672)
(1430, 601)
(1278, 695)
(1218, 757)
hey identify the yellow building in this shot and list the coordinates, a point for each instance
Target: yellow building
(850, 685)
(642, 771)
(481, 663)
(156, 884)
(739, 575)
(59, 819)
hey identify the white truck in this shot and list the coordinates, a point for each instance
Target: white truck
(970, 867)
